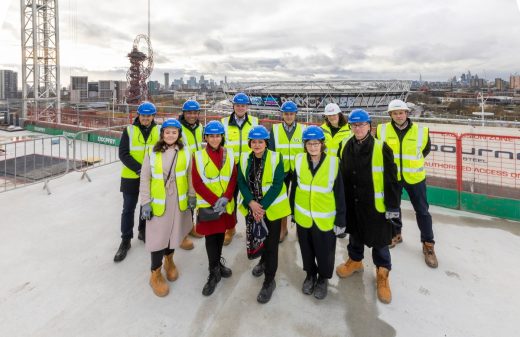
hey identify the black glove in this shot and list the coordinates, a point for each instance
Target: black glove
(192, 202)
(390, 215)
(146, 212)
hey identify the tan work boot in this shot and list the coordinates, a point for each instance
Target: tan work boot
(195, 234)
(283, 230)
(228, 237)
(169, 267)
(398, 238)
(158, 283)
(186, 243)
(348, 268)
(383, 285)
(429, 254)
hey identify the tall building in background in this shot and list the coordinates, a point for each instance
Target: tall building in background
(108, 90)
(166, 81)
(514, 82)
(8, 84)
(78, 89)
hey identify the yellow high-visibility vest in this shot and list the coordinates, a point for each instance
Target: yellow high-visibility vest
(157, 188)
(333, 143)
(214, 179)
(139, 147)
(314, 199)
(193, 141)
(236, 138)
(408, 155)
(288, 148)
(378, 180)
(280, 207)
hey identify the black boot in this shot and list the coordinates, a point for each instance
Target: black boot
(259, 269)
(142, 236)
(320, 290)
(124, 247)
(213, 279)
(308, 284)
(225, 272)
(266, 292)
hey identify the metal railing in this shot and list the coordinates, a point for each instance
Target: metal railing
(31, 161)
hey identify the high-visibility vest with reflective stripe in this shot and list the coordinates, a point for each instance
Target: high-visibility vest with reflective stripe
(214, 179)
(333, 143)
(314, 199)
(157, 188)
(192, 140)
(236, 138)
(288, 148)
(378, 169)
(280, 207)
(139, 147)
(408, 154)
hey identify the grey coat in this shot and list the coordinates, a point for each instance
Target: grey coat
(173, 225)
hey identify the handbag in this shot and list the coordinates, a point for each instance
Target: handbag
(207, 214)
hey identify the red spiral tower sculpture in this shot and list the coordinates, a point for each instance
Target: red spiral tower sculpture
(141, 66)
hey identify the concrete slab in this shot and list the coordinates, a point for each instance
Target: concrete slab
(59, 279)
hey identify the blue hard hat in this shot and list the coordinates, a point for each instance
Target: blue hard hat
(289, 106)
(359, 116)
(258, 132)
(313, 132)
(241, 98)
(146, 108)
(191, 105)
(171, 123)
(214, 128)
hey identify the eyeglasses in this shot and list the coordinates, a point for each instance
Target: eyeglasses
(313, 144)
(358, 125)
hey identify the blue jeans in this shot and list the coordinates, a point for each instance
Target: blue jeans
(417, 193)
(380, 255)
(127, 217)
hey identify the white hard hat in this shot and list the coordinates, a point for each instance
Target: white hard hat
(332, 109)
(397, 104)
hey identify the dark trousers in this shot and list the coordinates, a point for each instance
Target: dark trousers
(127, 217)
(318, 250)
(157, 257)
(417, 193)
(270, 254)
(214, 243)
(380, 255)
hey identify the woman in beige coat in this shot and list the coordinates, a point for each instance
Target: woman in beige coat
(166, 198)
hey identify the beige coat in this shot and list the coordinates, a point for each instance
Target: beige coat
(173, 225)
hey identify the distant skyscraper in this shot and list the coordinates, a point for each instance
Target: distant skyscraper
(166, 81)
(78, 88)
(8, 84)
(514, 82)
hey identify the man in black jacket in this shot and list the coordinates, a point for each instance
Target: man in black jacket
(371, 189)
(135, 141)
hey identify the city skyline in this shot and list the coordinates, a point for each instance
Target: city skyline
(288, 41)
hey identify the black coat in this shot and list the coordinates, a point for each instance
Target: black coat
(363, 220)
(131, 186)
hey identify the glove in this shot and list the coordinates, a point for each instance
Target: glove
(146, 212)
(339, 230)
(389, 215)
(293, 222)
(192, 202)
(219, 210)
(221, 202)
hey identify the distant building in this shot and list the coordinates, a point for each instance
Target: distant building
(8, 84)
(166, 81)
(192, 83)
(153, 87)
(178, 84)
(514, 82)
(108, 90)
(78, 89)
(500, 84)
(93, 90)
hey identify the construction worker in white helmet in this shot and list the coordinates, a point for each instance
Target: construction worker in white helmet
(410, 143)
(335, 127)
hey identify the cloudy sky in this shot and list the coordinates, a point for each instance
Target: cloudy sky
(283, 39)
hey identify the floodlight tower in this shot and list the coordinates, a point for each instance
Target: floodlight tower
(40, 59)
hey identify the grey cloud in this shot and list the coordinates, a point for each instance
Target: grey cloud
(213, 45)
